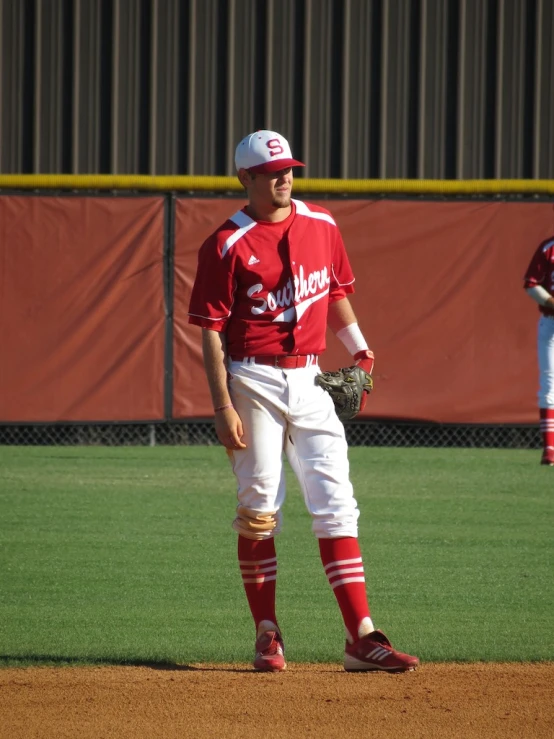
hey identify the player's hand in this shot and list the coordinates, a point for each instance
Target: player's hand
(365, 359)
(228, 428)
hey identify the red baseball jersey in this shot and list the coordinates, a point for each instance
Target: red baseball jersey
(541, 271)
(268, 285)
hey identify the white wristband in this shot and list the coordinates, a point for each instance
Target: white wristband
(353, 339)
(538, 293)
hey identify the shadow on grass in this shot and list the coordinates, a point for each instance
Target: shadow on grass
(48, 660)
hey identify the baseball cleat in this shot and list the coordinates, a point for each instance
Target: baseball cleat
(270, 652)
(548, 458)
(373, 653)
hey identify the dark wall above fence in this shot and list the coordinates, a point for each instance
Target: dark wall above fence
(436, 89)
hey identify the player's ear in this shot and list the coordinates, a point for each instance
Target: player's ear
(245, 177)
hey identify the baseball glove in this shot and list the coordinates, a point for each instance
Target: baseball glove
(348, 387)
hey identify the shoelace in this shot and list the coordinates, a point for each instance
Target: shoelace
(383, 644)
(274, 647)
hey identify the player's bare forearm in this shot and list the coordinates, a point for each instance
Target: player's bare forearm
(213, 351)
(340, 315)
(228, 425)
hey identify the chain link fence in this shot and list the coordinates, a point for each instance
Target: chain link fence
(358, 433)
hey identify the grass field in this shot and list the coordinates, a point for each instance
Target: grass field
(126, 555)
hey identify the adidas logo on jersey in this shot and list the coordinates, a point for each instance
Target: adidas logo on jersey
(253, 260)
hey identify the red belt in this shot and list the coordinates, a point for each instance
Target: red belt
(284, 361)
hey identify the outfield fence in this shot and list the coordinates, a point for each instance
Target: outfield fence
(98, 350)
(202, 432)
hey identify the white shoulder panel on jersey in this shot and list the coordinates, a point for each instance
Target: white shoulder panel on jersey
(303, 210)
(244, 223)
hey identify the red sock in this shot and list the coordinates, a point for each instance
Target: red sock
(258, 567)
(344, 568)
(547, 427)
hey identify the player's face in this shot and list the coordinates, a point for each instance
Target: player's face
(270, 191)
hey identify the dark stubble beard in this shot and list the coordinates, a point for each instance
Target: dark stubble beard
(281, 201)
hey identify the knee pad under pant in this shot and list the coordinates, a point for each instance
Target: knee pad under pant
(257, 524)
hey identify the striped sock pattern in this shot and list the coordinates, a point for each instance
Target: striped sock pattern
(345, 571)
(264, 570)
(258, 569)
(343, 565)
(547, 427)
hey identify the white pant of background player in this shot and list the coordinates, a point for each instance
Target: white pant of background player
(545, 344)
(284, 409)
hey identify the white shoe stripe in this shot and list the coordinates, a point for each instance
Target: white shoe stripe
(378, 654)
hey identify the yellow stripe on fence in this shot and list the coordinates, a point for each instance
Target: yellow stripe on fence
(193, 183)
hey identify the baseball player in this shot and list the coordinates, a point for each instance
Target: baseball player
(539, 284)
(269, 281)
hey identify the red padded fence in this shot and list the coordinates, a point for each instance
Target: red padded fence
(81, 308)
(84, 307)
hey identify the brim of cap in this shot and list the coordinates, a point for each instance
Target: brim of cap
(275, 166)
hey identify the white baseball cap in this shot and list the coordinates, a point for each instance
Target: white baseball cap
(264, 151)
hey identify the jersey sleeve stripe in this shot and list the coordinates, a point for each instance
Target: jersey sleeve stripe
(210, 318)
(341, 284)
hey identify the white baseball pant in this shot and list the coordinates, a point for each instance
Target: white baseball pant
(284, 410)
(545, 345)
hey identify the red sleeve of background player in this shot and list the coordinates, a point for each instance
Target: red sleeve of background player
(342, 277)
(539, 266)
(212, 292)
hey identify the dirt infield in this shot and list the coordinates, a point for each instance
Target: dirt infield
(224, 701)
